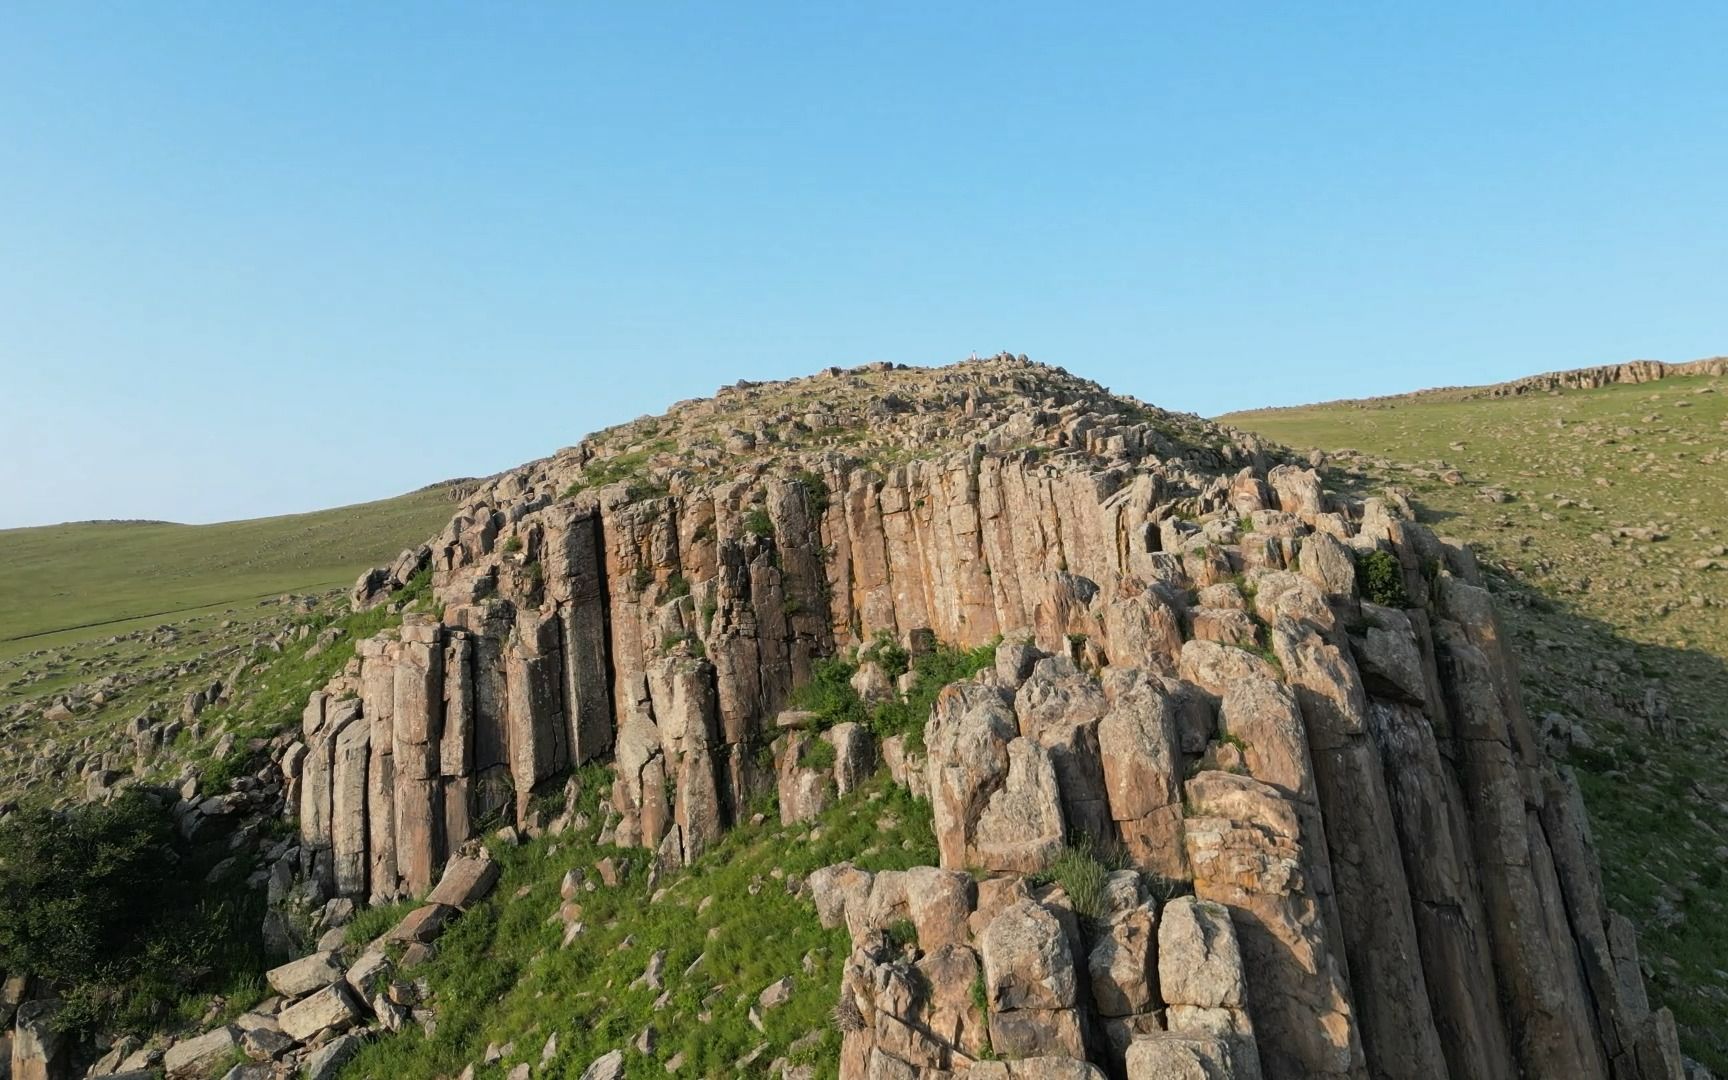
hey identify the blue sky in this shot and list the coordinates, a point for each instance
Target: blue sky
(266, 258)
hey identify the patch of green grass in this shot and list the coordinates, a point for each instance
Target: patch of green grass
(501, 976)
(816, 753)
(894, 660)
(829, 693)
(621, 467)
(1083, 870)
(370, 922)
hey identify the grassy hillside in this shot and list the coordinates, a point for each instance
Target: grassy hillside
(1601, 516)
(59, 580)
(508, 978)
(101, 622)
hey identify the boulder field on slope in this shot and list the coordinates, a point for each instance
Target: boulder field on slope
(1389, 878)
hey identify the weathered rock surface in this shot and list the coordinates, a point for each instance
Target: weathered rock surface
(1356, 858)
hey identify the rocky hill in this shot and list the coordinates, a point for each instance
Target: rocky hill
(1225, 774)
(1597, 516)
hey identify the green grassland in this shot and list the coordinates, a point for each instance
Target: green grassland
(63, 583)
(1600, 517)
(101, 622)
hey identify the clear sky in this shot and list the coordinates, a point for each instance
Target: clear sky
(260, 258)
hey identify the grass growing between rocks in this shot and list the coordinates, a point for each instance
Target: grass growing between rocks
(730, 926)
(1600, 518)
(830, 696)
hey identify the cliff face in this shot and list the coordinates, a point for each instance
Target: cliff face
(1388, 877)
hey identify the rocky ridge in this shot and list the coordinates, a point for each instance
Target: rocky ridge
(663, 617)
(1344, 851)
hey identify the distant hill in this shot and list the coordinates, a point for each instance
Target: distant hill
(57, 580)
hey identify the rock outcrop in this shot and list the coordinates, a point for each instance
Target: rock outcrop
(1344, 851)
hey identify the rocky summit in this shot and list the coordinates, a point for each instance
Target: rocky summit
(1245, 789)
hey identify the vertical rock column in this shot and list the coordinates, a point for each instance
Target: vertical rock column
(1142, 761)
(1433, 833)
(576, 583)
(378, 705)
(1243, 846)
(1541, 986)
(418, 709)
(456, 743)
(351, 739)
(1385, 963)
(539, 736)
(315, 862)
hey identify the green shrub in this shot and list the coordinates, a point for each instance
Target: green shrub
(816, 494)
(106, 903)
(1382, 578)
(888, 653)
(758, 523)
(816, 753)
(934, 670)
(829, 694)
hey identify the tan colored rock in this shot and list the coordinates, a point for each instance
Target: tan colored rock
(417, 710)
(1244, 848)
(330, 1009)
(1329, 564)
(38, 1049)
(854, 756)
(939, 903)
(1122, 965)
(349, 822)
(298, 978)
(1199, 962)
(1027, 963)
(1180, 1056)
(1141, 757)
(839, 890)
(1037, 1068)
(423, 924)
(1021, 828)
(1059, 707)
(203, 1055)
(1450, 923)
(467, 880)
(967, 737)
(1297, 491)
(1539, 979)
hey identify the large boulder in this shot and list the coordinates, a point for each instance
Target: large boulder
(1031, 984)
(330, 1009)
(467, 880)
(201, 1056)
(38, 1047)
(297, 978)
